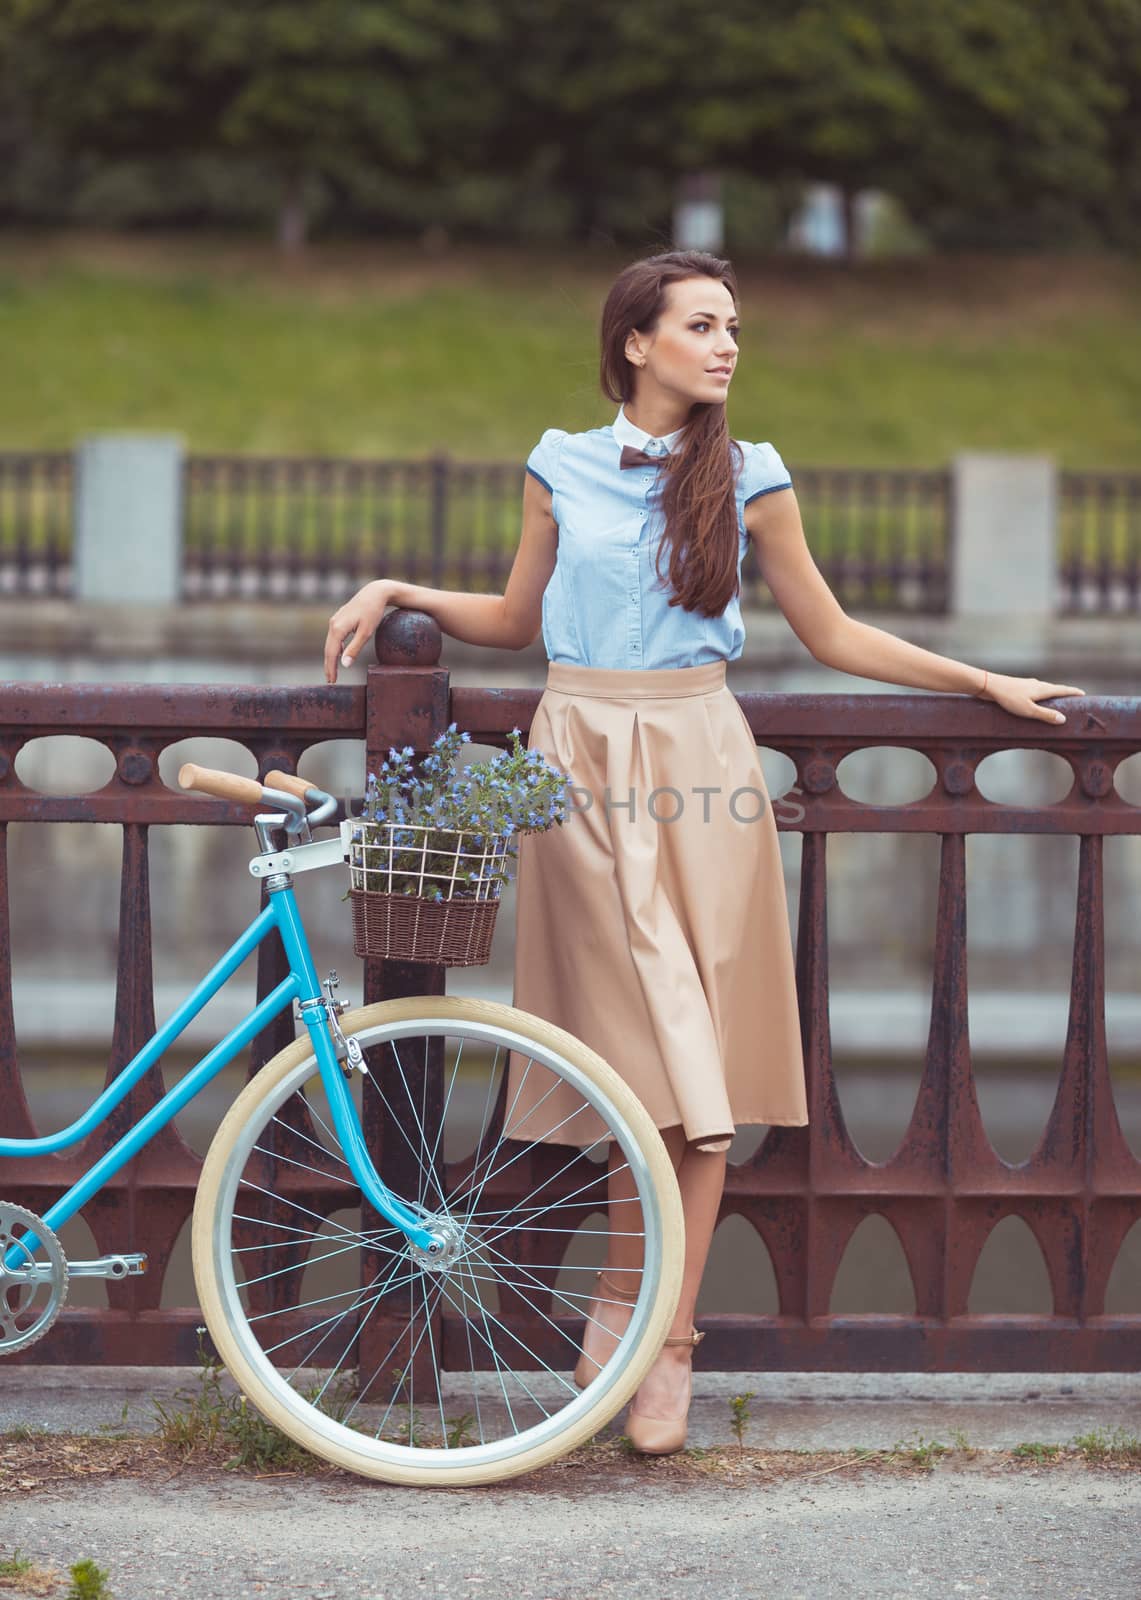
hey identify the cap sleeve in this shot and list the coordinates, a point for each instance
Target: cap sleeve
(543, 461)
(763, 471)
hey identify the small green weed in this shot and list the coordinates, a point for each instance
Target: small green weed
(88, 1582)
(1037, 1452)
(1118, 1446)
(117, 1430)
(459, 1432)
(924, 1453)
(21, 1575)
(739, 1406)
(208, 1419)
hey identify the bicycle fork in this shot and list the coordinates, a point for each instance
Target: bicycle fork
(320, 1014)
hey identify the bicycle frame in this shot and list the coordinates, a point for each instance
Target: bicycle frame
(281, 913)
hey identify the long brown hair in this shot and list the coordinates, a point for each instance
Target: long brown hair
(698, 498)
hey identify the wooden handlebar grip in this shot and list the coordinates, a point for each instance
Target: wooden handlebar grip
(289, 783)
(224, 785)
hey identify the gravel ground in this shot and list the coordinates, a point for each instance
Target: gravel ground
(1053, 1534)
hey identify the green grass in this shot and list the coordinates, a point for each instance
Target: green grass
(88, 1581)
(376, 350)
(15, 1565)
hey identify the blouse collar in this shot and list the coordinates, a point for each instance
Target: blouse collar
(626, 432)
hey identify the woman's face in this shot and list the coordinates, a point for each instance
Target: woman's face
(693, 351)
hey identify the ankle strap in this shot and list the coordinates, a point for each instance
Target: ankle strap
(693, 1338)
(612, 1289)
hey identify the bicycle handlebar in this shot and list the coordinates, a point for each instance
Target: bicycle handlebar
(223, 785)
(279, 788)
(290, 783)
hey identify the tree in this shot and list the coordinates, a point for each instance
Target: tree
(306, 87)
(987, 118)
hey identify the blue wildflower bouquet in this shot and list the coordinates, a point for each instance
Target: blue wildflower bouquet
(429, 856)
(439, 835)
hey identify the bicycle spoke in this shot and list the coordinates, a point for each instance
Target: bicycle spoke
(309, 1261)
(284, 1200)
(507, 1118)
(542, 1210)
(330, 1150)
(432, 1351)
(408, 1371)
(303, 1166)
(443, 1113)
(518, 1156)
(332, 1323)
(558, 1294)
(421, 1128)
(523, 1345)
(393, 1119)
(499, 1368)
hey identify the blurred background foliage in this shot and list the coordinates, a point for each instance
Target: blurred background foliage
(992, 124)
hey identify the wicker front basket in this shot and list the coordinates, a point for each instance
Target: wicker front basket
(406, 927)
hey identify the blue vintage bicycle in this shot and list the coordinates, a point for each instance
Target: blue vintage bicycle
(373, 1249)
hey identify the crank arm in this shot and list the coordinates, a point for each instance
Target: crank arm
(119, 1266)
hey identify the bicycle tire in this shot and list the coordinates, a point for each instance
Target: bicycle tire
(226, 1289)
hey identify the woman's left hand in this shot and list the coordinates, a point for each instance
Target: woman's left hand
(1018, 696)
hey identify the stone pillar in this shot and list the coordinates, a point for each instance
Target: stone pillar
(1003, 538)
(128, 519)
(699, 218)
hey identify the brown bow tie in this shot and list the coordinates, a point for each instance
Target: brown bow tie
(638, 458)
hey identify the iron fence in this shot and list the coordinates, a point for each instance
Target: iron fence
(805, 1190)
(1099, 543)
(266, 528)
(881, 537)
(313, 529)
(36, 516)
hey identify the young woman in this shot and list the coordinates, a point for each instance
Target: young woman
(654, 925)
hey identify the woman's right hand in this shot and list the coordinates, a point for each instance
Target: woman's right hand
(1020, 696)
(354, 624)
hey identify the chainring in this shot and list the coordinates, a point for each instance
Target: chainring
(33, 1283)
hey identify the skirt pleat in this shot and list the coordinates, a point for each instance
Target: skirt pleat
(653, 924)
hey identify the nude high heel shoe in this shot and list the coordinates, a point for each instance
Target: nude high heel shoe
(661, 1436)
(587, 1368)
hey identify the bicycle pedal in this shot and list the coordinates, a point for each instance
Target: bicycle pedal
(113, 1266)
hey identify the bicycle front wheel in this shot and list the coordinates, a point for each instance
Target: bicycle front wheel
(443, 1370)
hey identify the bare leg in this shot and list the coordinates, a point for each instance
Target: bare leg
(664, 1391)
(701, 1180)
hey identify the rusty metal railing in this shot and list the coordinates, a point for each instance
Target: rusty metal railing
(805, 1190)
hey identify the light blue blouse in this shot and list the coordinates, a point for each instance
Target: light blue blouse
(604, 605)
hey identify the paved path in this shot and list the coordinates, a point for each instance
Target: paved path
(983, 1527)
(790, 1411)
(1030, 1535)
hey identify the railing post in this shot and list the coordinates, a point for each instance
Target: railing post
(407, 702)
(128, 519)
(1005, 512)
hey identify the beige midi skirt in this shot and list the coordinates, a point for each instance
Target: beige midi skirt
(653, 923)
